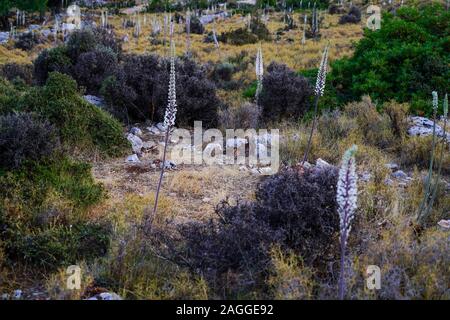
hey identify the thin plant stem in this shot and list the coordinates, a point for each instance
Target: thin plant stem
(438, 175)
(308, 146)
(425, 199)
(150, 219)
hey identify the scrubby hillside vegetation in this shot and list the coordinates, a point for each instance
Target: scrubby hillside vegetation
(83, 130)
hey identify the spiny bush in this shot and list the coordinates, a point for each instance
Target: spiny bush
(196, 26)
(102, 43)
(138, 91)
(24, 137)
(335, 9)
(375, 127)
(246, 116)
(303, 207)
(412, 47)
(93, 67)
(222, 75)
(284, 94)
(411, 268)
(50, 60)
(258, 32)
(29, 187)
(12, 71)
(353, 16)
(27, 40)
(80, 124)
(296, 211)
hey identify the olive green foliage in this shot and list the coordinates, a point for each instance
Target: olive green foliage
(404, 60)
(41, 213)
(81, 124)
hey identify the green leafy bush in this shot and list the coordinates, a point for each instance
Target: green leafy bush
(258, 32)
(41, 213)
(404, 60)
(50, 60)
(80, 123)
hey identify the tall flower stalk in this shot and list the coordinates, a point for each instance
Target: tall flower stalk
(188, 32)
(304, 31)
(216, 42)
(259, 68)
(431, 188)
(169, 122)
(347, 195)
(319, 90)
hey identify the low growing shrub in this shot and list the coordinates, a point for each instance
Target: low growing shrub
(23, 137)
(284, 95)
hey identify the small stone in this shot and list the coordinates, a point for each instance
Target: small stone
(444, 224)
(243, 168)
(17, 294)
(133, 159)
(148, 145)
(206, 200)
(168, 165)
(306, 165)
(4, 37)
(153, 130)
(106, 296)
(136, 131)
(399, 174)
(322, 163)
(392, 166)
(266, 171)
(389, 182)
(136, 143)
(161, 127)
(96, 101)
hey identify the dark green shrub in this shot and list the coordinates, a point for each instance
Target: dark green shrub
(9, 95)
(138, 91)
(258, 32)
(27, 40)
(284, 94)
(80, 123)
(405, 60)
(196, 26)
(50, 60)
(353, 16)
(80, 41)
(93, 67)
(41, 213)
(50, 248)
(28, 187)
(89, 56)
(24, 137)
